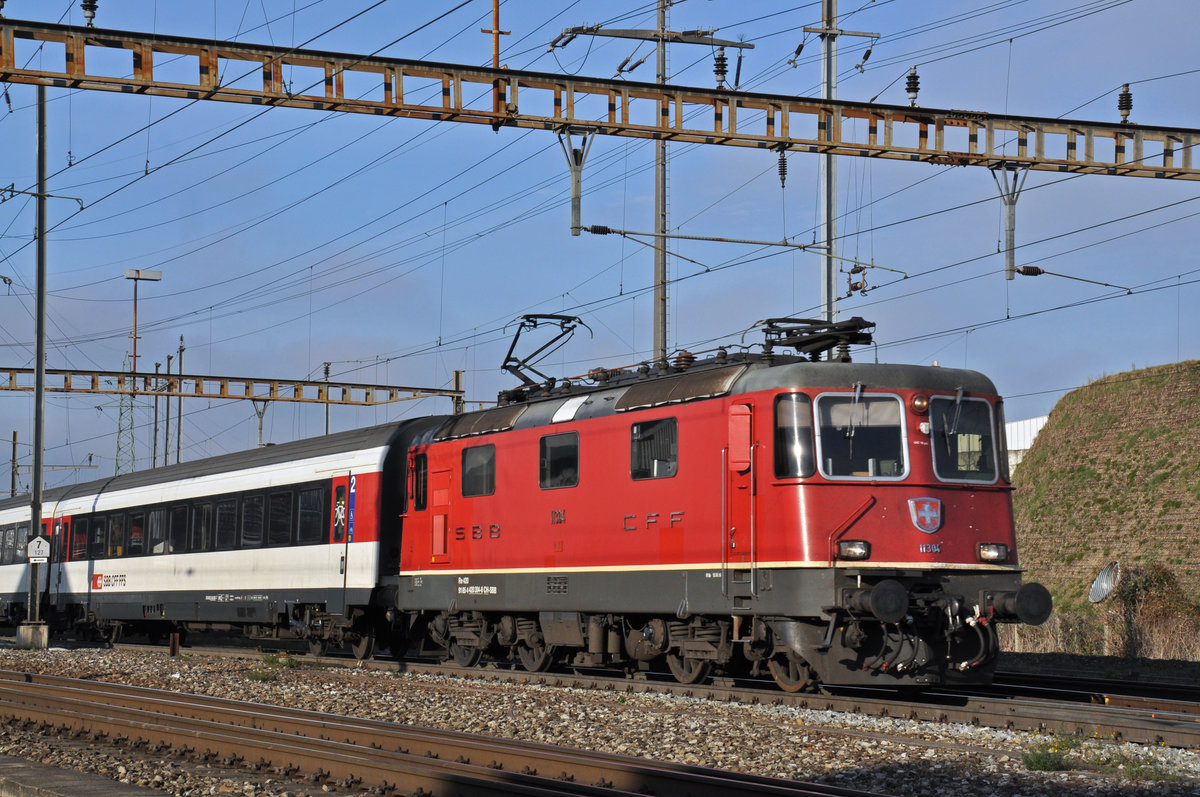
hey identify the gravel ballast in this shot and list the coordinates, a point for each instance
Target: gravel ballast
(891, 756)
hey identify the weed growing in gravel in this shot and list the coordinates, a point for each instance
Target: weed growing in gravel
(1072, 752)
(1053, 756)
(263, 675)
(279, 660)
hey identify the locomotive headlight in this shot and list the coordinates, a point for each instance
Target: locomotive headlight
(854, 550)
(919, 404)
(993, 552)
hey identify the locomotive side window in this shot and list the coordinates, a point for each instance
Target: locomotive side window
(420, 481)
(478, 471)
(654, 449)
(179, 529)
(558, 460)
(963, 445)
(311, 511)
(860, 437)
(226, 533)
(279, 528)
(794, 444)
(137, 532)
(156, 528)
(252, 521)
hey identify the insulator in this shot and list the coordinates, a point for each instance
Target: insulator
(1030, 271)
(599, 229)
(857, 268)
(89, 11)
(720, 66)
(913, 85)
(867, 54)
(782, 169)
(1125, 102)
(796, 54)
(684, 360)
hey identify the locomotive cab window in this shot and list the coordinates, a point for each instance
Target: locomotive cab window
(794, 446)
(478, 471)
(964, 448)
(654, 449)
(860, 436)
(558, 460)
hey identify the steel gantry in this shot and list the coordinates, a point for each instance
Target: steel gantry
(330, 81)
(224, 387)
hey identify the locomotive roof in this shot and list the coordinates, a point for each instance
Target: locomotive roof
(614, 392)
(353, 440)
(620, 391)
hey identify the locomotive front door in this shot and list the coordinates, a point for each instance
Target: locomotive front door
(739, 537)
(439, 505)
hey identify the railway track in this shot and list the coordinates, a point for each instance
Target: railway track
(356, 753)
(1118, 710)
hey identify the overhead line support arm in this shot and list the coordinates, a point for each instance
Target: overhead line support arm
(538, 100)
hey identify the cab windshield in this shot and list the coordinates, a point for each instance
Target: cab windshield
(964, 448)
(860, 436)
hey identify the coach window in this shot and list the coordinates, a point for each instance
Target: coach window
(962, 441)
(279, 528)
(156, 531)
(116, 535)
(794, 437)
(478, 471)
(339, 513)
(137, 534)
(98, 538)
(654, 449)
(179, 529)
(79, 539)
(558, 460)
(311, 512)
(860, 436)
(226, 529)
(252, 521)
(8, 544)
(201, 527)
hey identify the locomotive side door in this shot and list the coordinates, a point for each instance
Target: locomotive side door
(439, 504)
(739, 531)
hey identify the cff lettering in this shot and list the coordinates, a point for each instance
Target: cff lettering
(651, 520)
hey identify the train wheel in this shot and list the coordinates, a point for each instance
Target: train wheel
(464, 656)
(363, 647)
(687, 670)
(534, 655)
(790, 672)
(317, 647)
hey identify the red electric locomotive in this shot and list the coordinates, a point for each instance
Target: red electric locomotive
(827, 521)
(835, 522)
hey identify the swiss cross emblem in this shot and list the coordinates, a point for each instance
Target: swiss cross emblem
(926, 513)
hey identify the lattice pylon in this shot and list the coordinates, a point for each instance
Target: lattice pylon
(126, 459)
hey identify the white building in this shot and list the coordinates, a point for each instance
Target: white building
(1020, 436)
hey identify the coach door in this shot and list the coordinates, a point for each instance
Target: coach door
(739, 577)
(439, 506)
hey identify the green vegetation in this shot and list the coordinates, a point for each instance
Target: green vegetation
(1072, 752)
(1115, 475)
(269, 668)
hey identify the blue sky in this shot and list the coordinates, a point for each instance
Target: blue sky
(398, 250)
